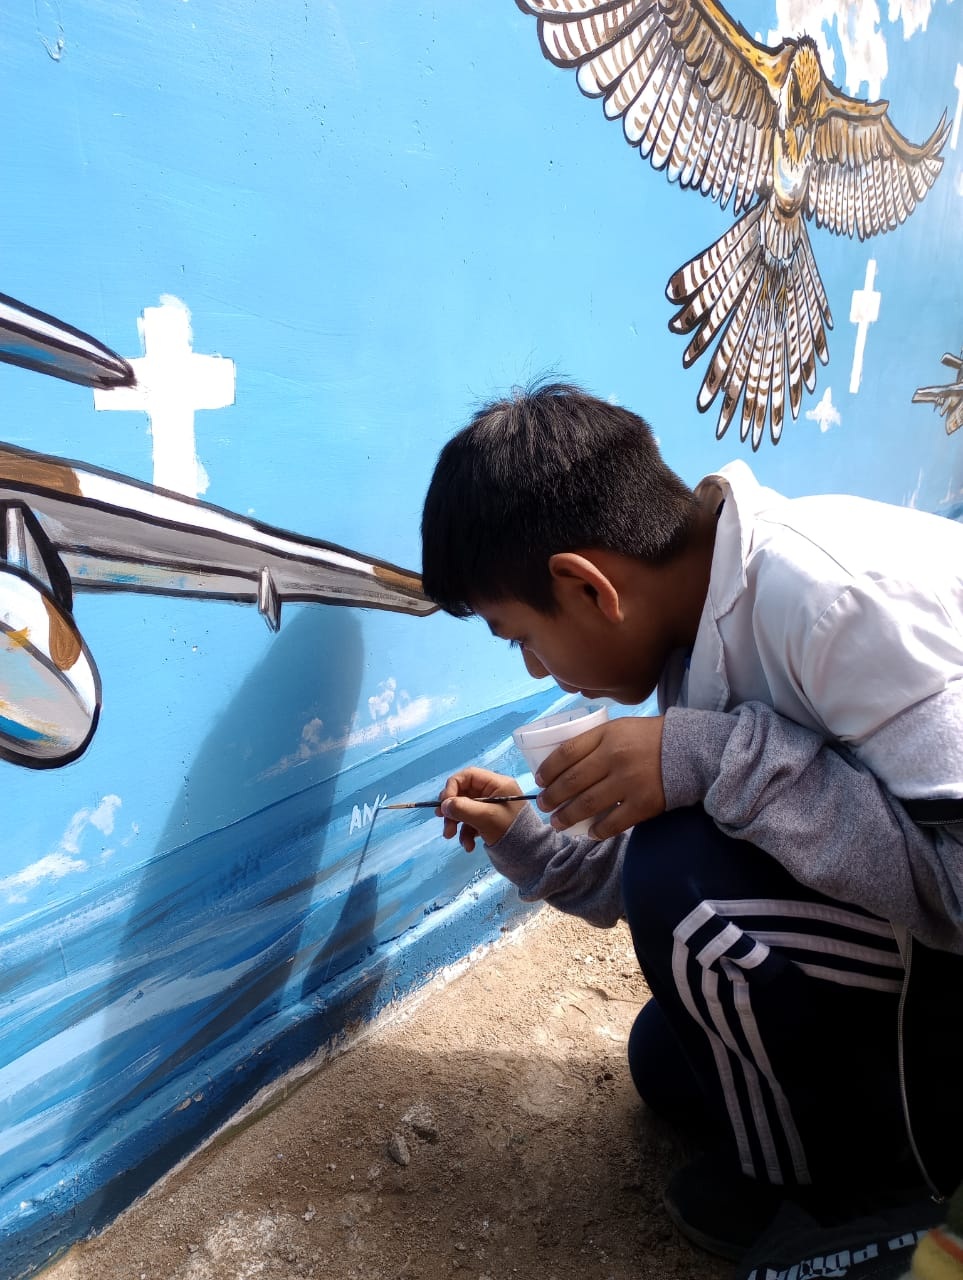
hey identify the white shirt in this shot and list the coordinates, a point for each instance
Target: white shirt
(844, 615)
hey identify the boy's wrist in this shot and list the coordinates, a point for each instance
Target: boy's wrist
(509, 815)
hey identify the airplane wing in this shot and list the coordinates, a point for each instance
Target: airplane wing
(947, 398)
(112, 533)
(940, 396)
(35, 340)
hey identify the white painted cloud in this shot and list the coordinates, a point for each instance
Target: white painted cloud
(379, 704)
(53, 867)
(62, 861)
(411, 713)
(825, 412)
(103, 816)
(857, 25)
(394, 714)
(862, 44)
(915, 14)
(313, 743)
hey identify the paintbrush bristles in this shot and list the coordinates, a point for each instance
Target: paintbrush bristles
(433, 804)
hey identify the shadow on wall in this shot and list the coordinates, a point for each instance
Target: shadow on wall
(214, 931)
(275, 916)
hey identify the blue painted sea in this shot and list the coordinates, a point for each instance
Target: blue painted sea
(138, 1019)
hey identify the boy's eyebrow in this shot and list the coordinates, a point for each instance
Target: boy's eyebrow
(497, 631)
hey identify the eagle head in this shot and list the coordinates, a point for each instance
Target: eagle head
(799, 100)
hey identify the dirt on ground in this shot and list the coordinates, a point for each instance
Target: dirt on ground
(490, 1131)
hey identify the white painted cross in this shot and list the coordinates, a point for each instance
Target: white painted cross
(958, 86)
(173, 382)
(825, 412)
(863, 312)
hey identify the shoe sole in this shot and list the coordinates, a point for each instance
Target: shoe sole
(708, 1244)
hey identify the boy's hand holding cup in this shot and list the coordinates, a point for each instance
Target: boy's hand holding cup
(539, 739)
(612, 771)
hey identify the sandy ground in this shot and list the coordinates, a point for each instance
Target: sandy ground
(490, 1132)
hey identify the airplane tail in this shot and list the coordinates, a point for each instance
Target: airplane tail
(758, 284)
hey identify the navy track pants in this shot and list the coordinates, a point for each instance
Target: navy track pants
(774, 1020)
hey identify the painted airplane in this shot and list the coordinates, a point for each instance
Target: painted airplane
(947, 398)
(66, 526)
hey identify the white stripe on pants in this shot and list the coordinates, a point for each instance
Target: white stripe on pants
(724, 954)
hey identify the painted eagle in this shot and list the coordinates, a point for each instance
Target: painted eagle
(737, 120)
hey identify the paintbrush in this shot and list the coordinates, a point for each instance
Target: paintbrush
(433, 804)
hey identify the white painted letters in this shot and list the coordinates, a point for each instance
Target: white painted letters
(364, 818)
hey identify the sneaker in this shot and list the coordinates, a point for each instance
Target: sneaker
(717, 1208)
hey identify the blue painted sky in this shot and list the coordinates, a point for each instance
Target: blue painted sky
(383, 214)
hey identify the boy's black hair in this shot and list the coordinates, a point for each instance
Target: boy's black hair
(547, 470)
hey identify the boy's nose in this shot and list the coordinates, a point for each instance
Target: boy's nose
(533, 666)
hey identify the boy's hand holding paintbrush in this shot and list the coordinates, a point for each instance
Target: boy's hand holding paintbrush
(613, 771)
(458, 804)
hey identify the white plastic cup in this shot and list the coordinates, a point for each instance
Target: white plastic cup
(539, 739)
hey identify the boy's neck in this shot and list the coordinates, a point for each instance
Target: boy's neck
(690, 571)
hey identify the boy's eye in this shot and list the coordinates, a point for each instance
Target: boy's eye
(515, 644)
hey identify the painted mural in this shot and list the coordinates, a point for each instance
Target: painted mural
(320, 235)
(761, 126)
(67, 528)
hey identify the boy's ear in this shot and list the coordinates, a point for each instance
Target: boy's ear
(579, 577)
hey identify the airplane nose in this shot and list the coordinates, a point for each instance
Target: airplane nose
(49, 686)
(37, 341)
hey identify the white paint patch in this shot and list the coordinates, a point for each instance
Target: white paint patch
(173, 382)
(362, 817)
(912, 499)
(863, 312)
(49, 16)
(103, 816)
(915, 14)
(958, 86)
(857, 27)
(63, 861)
(825, 412)
(380, 703)
(410, 714)
(53, 867)
(861, 42)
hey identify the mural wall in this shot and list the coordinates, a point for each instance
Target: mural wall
(261, 260)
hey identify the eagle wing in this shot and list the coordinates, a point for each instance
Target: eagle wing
(695, 93)
(865, 176)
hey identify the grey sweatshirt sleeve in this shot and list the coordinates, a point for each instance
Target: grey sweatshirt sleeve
(574, 873)
(819, 812)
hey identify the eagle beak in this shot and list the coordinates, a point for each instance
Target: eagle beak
(35, 340)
